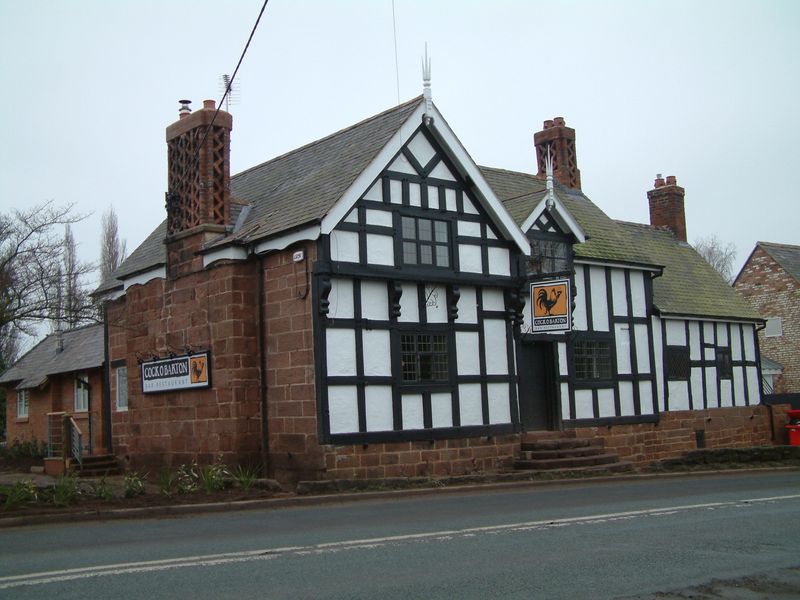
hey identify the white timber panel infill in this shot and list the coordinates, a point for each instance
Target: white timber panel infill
(646, 398)
(380, 249)
(414, 195)
(722, 334)
(696, 383)
(469, 229)
(619, 298)
(375, 193)
(341, 351)
(352, 216)
(343, 407)
(579, 314)
(450, 199)
(341, 299)
(708, 332)
(526, 320)
(499, 403)
(711, 387)
(421, 148)
(412, 411)
(344, 246)
(377, 352)
(470, 260)
(749, 343)
(736, 342)
(470, 404)
(374, 301)
(436, 304)
(709, 353)
(494, 331)
(658, 354)
(493, 299)
(678, 395)
(396, 191)
(584, 408)
(499, 261)
(739, 385)
(694, 340)
(440, 171)
(468, 360)
(378, 407)
(597, 279)
(433, 197)
(382, 218)
(563, 369)
(676, 333)
(409, 304)
(401, 165)
(642, 348)
(468, 306)
(638, 298)
(441, 410)
(605, 403)
(623, 339)
(565, 416)
(753, 389)
(626, 404)
(726, 393)
(470, 209)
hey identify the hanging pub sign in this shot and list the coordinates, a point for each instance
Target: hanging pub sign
(177, 373)
(551, 306)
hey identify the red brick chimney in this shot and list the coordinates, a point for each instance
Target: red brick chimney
(666, 206)
(561, 140)
(199, 169)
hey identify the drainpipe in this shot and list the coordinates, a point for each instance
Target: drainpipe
(262, 370)
(106, 385)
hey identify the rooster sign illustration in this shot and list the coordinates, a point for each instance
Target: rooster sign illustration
(547, 301)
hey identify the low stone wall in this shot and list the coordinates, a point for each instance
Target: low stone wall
(681, 431)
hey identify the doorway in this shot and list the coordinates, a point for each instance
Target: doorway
(538, 396)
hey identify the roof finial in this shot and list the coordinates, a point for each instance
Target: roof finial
(426, 87)
(550, 199)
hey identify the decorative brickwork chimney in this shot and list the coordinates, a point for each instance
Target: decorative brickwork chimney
(199, 169)
(561, 140)
(666, 206)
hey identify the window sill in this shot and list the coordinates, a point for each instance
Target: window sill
(21, 420)
(82, 415)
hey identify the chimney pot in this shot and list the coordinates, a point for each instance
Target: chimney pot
(659, 181)
(184, 111)
(209, 104)
(671, 180)
(548, 124)
(559, 121)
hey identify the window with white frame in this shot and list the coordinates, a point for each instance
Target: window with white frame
(774, 327)
(22, 404)
(122, 388)
(81, 392)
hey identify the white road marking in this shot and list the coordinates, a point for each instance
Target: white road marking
(45, 577)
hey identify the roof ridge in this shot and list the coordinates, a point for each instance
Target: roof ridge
(513, 172)
(402, 106)
(779, 245)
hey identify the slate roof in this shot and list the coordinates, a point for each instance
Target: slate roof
(151, 253)
(787, 256)
(688, 286)
(83, 349)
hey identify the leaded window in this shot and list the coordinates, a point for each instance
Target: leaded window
(424, 357)
(678, 366)
(724, 366)
(549, 256)
(425, 242)
(81, 392)
(22, 404)
(592, 359)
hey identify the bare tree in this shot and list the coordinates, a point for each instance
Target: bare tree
(112, 250)
(31, 255)
(717, 254)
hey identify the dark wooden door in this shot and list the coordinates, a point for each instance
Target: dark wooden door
(538, 400)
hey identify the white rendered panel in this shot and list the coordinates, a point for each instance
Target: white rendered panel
(469, 400)
(618, 295)
(343, 407)
(710, 353)
(626, 404)
(678, 395)
(414, 197)
(468, 360)
(440, 171)
(375, 193)
(409, 304)
(597, 278)
(341, 351)
(579, 314)
(676, 333)
(565, 402)
(341, 299)
(493, 299)
(642, 348)
(450, 199)
(722, 334)
(584, 408)
(402, 165)
(379, 217)
(646, 398)
(694, 340)
(395, 191)
(623, 338)
(421, 148)
(441, 410)
(344, 246)
(494, 331)
(469, 258)
(726, 393)
(708, 332)
(752, 386)
(605, 403)
(412, 411)
(489, 233)
(352, 216)
(736, 342)
(499, 403)
(468, 306)
(469, 207)
(562, 359)
(433, 197)
(377, 352)
(526, 317)
(469, 229)
(658, 350)
(378, 407)
(696, 381)
(711, 387)
(436, 303)
(638, 302)
(738, 386)
(499, 261)
(749, 343)
(374, 301)
(380, 249)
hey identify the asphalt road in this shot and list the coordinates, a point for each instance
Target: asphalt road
(587, 540)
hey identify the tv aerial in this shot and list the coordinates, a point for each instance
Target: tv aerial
(230, 90)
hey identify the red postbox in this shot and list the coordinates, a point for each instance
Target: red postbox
(793, 427)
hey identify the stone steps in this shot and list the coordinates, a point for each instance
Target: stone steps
(564, 452)
(98, 465)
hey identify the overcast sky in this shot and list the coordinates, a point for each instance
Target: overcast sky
(706, 91)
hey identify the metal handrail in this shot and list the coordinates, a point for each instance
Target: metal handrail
(55, 443)
(75, 440)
